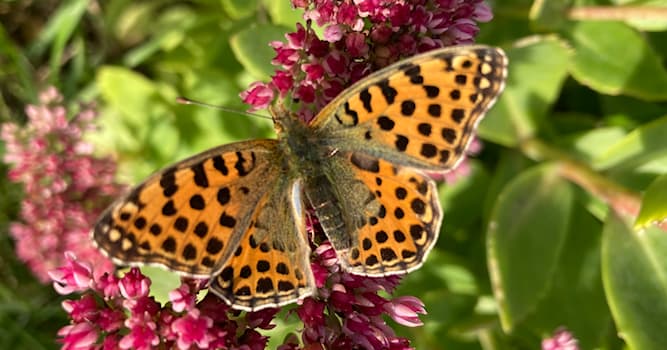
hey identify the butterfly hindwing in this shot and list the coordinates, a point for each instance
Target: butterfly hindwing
(420, 112)
(271, 266)
(381, 218)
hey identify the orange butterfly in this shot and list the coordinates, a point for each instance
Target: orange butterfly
(236, 213)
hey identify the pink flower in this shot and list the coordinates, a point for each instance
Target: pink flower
(355, 45)
(372, 33)
(259, 95)
(182, 298)
(78, 336)
(142, 335)
(311, 313)
(262, 319)
(65, 187)
(561, 340)
(134, 285)
(405, 310)
(313, 71)
(333, 33)
(126, 317)
(84, 309)
(192, 329)
(347, 311)
(282, 81)
(74, 276)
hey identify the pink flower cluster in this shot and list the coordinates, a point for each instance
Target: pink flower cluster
(360, 36)
(65, 186)
(348, 312)
(561, 340)
(118, 313)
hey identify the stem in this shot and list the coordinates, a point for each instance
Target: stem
(622, 13)
(619, 198)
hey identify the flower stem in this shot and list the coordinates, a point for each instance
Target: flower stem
(622, 13)
(619, 198)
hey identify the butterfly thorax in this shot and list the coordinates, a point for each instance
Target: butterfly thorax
(300, 146)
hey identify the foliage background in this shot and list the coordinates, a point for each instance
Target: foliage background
(545, 232)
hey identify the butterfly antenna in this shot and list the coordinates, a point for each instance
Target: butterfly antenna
(187, 101)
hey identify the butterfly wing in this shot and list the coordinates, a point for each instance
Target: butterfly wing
(420, 112)
(208, 211)
(380, 213)
(381, 218)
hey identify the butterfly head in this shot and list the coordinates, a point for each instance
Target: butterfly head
(284, 120)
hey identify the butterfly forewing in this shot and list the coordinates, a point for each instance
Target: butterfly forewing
(190, 216)
(420, 112)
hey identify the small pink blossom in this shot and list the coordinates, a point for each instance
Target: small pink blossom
(142, 335)
(259, 95)
(262, 319)
(182, 298)
(192, 329)
(78, 336)
(355, 45)
(134, 285)
(405, 310)
(84, 309)
(74, 276)
(561, 340)
(313, 71)
(333, 33)
(282, 81)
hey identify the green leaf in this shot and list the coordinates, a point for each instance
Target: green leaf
(237, 9)
(283, 13)
(161, 130)
(162, 282)
(15, 62)
(128, 92)
(251, 48)
(138, 120)
(510, 164)
(461, 199)
(654, 205)
(639, 146)
(634, 267)
(537, 69)
(170, 29)
(579, 304)
(60, 27)
(549, 14)
(613, 59)
(593, 142)
(527, 230)
(65, 21)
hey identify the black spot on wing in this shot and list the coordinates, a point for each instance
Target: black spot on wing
(388, 91)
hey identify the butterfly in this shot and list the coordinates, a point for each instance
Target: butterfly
(236, 214)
